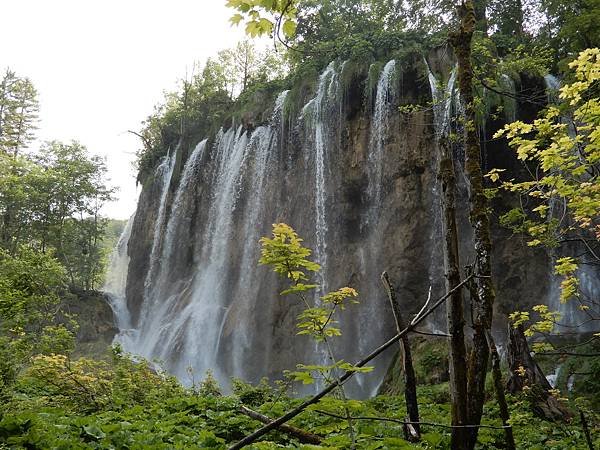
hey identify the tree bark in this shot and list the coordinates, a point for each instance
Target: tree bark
(410, 380)
(483, 302)
(454, 308)
(586, 430)
(524, 372)
(523, 369)
(500, 397)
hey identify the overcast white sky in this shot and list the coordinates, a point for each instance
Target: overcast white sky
(101, 65)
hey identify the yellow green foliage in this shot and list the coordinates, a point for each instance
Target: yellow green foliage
(289, 258)
(561, 150)
(566, 151)
(262, 16)
(88, 385)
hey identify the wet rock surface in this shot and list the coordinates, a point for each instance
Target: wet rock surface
(209, 306)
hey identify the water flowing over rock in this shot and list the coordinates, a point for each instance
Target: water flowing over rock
(355, 178)
(116, 283)
(445, 98)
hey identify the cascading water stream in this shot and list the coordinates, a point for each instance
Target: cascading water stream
(384, 98)
(552, 86)
(160, 303)
(197, 320)
(164, 172)
(320, 111)
(264, 144)
(509, 100)
(444, 96)
(185, 316)
(371, 223)
(116, 283)
(321, 115)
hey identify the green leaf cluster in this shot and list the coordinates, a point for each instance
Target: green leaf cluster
(561, 149)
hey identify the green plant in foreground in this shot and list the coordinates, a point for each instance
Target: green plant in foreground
(289, 258)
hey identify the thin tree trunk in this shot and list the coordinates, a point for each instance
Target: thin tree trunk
(410, 380)
(455, 313)
(586, 430)
(500, 397)
(523, 369)
(482, 304)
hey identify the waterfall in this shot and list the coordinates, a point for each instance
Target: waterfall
(116, 282)
(443, 96)
(262, 143)
(552, 87)
(322, 113)
(201, 287)
(509, 101)
(164, 172)
(191, 310)
(160, 303)
(372, 223)
(553, 377)
(384, 98)
(571, 316)
(337, 179)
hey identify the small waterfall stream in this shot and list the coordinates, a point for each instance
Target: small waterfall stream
(384, 98)
(444, 97)
(116, 283)
(320, 114)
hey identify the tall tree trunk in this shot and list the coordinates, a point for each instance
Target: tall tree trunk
(410, 380)
(483, 301)
(454, 308)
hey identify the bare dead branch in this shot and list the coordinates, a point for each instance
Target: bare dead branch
(402, 421)
(345, 377)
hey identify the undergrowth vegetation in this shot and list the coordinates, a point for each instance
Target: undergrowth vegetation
(129, 405)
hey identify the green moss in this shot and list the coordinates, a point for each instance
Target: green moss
(373, 75)
(430, 361)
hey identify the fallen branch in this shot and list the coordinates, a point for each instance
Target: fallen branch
(402, 421)
(311, 401)
(426, 333)
(303, 436)
(583, 355)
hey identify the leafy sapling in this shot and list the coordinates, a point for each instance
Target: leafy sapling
(290, 259)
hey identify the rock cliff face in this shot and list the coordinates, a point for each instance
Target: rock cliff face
(96, 322)
(356, 178)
